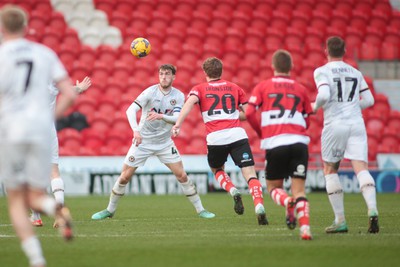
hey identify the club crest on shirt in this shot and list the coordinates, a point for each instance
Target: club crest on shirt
(172, 102)
(131, 158)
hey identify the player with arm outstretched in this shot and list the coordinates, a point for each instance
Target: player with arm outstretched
(57, 184)
(284, 107)
(26, 69)
(340, 87)
(222, 104)
(161, 105)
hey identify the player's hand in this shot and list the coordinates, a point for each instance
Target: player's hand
(175, 130)
(137, 138)
(83, 85)
(152, 116)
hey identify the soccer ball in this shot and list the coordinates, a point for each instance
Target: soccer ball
(140, 47)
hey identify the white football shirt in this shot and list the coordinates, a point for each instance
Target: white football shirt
(158, 132)
(26, 70)
(345, 83)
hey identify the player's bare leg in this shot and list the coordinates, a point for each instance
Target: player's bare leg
(368, 190)
(189, 189)
(335, 195)
(57, 187)
(256, 192)
(226, 183)
(281, 198)
(302, 207)
(117, 192)
(18, 210)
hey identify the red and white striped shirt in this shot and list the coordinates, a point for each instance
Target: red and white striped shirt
(284, 106)
(219, 103)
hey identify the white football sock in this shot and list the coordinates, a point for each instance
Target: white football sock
(367, 188)
(48, 206)
(33, 251)
(335, 195)
(190, 191)
(35, 215)
(118, 191)
(57, 187)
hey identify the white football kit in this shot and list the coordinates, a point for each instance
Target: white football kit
(344, 134)
(156, 135)
(26, 70)
(54, 138)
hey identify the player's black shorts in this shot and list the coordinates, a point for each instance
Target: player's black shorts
(285, 161)
(240, 152)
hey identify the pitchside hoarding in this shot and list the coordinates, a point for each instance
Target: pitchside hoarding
(97, 175)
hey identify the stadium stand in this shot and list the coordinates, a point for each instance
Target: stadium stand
(92, 38)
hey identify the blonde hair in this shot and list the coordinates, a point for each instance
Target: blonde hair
(13, 19)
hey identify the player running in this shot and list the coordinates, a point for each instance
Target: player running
(57, 184)
(344, 136)
(222, 103)
(284, 107)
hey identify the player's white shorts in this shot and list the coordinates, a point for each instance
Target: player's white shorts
(340, 140)
(137, 156)
(25, 164)
(54, 146)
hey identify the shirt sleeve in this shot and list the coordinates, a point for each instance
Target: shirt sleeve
(58, 70)
(142, 99)
(256, 97)
(320, 78)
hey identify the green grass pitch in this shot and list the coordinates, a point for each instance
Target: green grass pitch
(165, 231)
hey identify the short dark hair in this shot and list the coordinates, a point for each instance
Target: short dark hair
(282, 61)
(168, 67)
(13, 19)
(335, 46)
(212, 66)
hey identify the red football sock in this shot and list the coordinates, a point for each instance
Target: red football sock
(255, 189)
(224, 180)
(280, 197)
(303, 211)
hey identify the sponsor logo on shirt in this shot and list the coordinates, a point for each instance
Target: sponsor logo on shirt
(131, 159)
(173, 102)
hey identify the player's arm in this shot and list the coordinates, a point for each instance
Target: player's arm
(322, 97)
(187, 107)
(131, 115)
(167, 118)
(82, 86)
(242, 112)
(251, 115)
(367, 99)
(67, 97)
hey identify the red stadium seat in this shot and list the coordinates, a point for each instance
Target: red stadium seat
(280, 20)
(373, 144)
(375, 126)
(324, 6)
(364, 6)
(383, 7)
(392, 35)
(266, 6)
(359, 20)
(369, 52)
(300, 20)
(395, 19)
